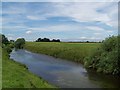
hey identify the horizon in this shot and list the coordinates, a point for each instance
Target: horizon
(67, 21)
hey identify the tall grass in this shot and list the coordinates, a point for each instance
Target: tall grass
(70, 51)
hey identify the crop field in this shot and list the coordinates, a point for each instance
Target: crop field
(70, 51)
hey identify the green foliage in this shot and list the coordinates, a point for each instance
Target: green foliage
(47, 40)
(8, 49)
(3, 40)
(19, 43)
(105, 59)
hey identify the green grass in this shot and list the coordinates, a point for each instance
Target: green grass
(70, 51)
(15, 75)
(0, 67)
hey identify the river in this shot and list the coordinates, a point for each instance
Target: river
(63, 73)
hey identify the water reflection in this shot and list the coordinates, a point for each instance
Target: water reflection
(62, 73)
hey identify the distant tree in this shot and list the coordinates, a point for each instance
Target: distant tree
(58, 40)
(87, 41)
(4, 40)
(54, 40)
(12, 41)
(39, 40)
(19, 43)
(46, 40)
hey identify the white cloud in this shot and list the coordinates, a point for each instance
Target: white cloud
(28, 32)
(95, 28)
(60, 0)
(36, 18)
(83, 37)
(87, 12)
(110, 31)
(57, 28)
(97, 34)
(77, 11)
(10, 38)
(19, 37)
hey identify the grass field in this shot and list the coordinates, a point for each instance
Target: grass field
(70, 51)
(15, 75)
(0, 67)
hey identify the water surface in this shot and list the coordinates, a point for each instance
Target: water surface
(63, 73)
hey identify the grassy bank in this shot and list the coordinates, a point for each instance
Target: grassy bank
(15, 75)
(70, 51)
(0, 67)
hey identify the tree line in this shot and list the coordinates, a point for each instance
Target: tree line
(9, 44)
(47, 40)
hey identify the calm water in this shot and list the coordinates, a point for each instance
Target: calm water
(62, 73)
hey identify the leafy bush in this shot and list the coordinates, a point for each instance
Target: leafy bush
(106, 58)
(8, 49)
(19, 43)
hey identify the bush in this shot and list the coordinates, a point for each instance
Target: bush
(8, 49)
(106, 59)
(19, 43)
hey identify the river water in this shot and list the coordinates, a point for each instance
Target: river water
(63, 73)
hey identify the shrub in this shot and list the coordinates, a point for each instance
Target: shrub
(106, 59)
(19, 43)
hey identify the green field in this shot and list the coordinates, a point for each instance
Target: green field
(0, 67)
(15, 75)
(70, 51)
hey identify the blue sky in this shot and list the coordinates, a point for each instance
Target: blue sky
(68, 21)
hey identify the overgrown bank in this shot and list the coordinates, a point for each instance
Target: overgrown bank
(15, 75)
(106, 59)
(103, 57)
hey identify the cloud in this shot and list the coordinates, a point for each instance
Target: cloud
(36, 18)
(110, 31)
(83, 37)
(28, 32)
(95, 28)
(60, 0)
(97, 34)
(56, 28)
(105, 12)
(10, 38)
(79, 20)
(86, 12)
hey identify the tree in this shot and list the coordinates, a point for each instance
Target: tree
(39, 40)
(46, 40)
(19, 43)
(87, 41)
(4, 40)
(56, 40)
(12, 41)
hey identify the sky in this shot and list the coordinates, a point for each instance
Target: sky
(67, 21)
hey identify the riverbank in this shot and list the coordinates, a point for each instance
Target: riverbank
(70, 51)
(15, 75)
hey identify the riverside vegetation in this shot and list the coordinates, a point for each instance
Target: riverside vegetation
(102, 57)
(16, 75)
